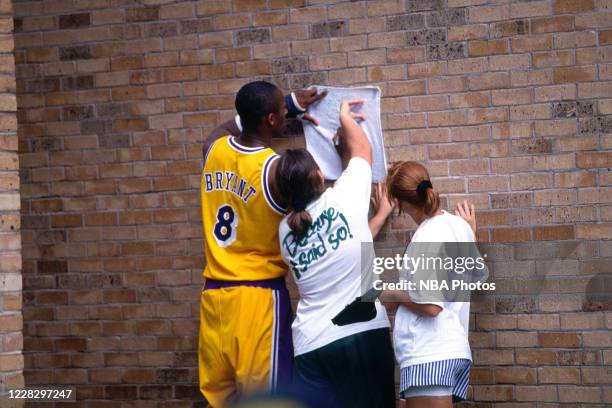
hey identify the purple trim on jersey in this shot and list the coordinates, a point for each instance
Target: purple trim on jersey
(245, 149)
(274, 284)
(284, 361)
(274, 351)
(266, 186)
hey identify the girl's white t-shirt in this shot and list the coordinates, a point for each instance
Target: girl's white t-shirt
(420, 339)
(327, 266)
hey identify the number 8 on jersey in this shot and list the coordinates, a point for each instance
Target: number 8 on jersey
(225, 227)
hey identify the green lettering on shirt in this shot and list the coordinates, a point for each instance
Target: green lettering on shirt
(332, 224)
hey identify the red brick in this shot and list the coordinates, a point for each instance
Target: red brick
(572, 6)
(536, 393)
(467, 32)
(558, 375)
(594, 231)
(142, 14)
(533, 8)
(406, 55)
(559, 340)
(553, 233)
(479, 48)
(532, 43)
(552, 24)
(554, 197)
(415, 87)
(535, 357)
(11, 362)
(493, 392)
(488, 13)
(511, 234)
(574, 74)
(593, 159)
(515, 375)
(605, 37)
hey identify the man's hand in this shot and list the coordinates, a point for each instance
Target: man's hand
(466, 211)
(305, 98)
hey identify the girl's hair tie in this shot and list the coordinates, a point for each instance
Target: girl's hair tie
(298, 204)
(423, 186)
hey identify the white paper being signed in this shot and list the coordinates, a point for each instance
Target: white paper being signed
(319, 139)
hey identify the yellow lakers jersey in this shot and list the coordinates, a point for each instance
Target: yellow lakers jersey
(239, 215)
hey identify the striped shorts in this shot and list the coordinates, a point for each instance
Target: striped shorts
(453, 373)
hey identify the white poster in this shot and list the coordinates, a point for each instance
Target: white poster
(319, 139)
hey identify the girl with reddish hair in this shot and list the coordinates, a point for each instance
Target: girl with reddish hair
(430, 337)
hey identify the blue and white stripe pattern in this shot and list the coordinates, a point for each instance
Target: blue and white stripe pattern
(450, 373)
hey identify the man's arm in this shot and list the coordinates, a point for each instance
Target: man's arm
(226, 128)
(300, 100)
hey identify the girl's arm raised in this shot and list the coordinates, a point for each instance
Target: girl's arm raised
(382, 206)
(466, 211)
(352, 136)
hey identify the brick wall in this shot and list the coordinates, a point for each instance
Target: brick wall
(11, 340)
(507, 103)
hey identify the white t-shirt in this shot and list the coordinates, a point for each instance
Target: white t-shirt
(326, 263)
(420, 339)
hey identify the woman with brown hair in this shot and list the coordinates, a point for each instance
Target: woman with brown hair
(321, 240)
(430, 335)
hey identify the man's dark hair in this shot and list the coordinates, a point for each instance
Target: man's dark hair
(254, 102)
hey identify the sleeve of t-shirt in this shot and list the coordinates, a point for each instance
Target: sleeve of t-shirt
(354, 186)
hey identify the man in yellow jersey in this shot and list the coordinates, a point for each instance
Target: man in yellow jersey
(245, 315)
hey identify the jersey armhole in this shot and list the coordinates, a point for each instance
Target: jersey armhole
(210, 148)
(266, 186)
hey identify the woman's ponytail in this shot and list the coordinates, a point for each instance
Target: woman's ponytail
(299, 183)
(409, 182)
(299, 222)
(432, 202)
